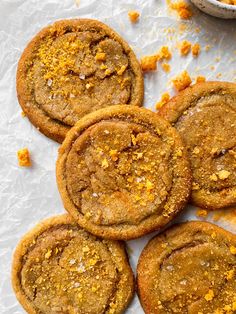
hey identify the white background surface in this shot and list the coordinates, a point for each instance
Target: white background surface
(29, 195)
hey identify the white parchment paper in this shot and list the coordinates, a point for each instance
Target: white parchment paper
(30, 195)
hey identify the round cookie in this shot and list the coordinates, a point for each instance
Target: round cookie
(190, 268)
(205, 115)
(123, 172)
(60, 268)
(74, 67)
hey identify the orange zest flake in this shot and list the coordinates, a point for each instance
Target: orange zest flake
(201, 213)
(184, 47)
(196, 49)
(149, 63)
(165, 97)
(133, 16)
(182, 8)
(24, 157)
(165, 67)
(181, 81)
(200, 79)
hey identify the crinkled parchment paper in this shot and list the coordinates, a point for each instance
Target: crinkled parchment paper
(30, 195)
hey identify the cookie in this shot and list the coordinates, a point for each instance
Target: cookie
(123, 172)
(60, 268)
(74, 67)
(190, 268)
(205, 115)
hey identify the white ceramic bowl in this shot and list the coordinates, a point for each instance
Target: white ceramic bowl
(216, 8)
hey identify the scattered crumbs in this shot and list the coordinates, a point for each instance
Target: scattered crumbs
(219, 75)
(217, 59)
(164, 53)
(182, 27)
(149, 63)
(165, 97)
(184, 47)
(24, 157)
(23, 114)
(223, 174)
(181, 81)
(197, 30)
(201, 213)
(105, 163)
(210, 295)
(208, 47)
(133, 16)
(100, 56)
(232, 250)
(196, 49)
(212, 67)
(121, 70)
(200, 79)
(229, 274)
(165, 67)
(213, 177)
(182, 8)
(48, 254)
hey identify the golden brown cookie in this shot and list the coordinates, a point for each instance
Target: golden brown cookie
(190, 268)
(60, 268)
(205, 116)
(123, 172)
(74, 67)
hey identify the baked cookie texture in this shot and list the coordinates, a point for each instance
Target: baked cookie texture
(72, 68)
(190, 268)
(205, 116)
(122, 172)
(60, 268)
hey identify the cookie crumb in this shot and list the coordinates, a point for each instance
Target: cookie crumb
(24, 157)
(165, 67)
(223, 174)
(149, 63)
(23, 114)
(165, 97)
(164, 53)
(201, 213)
(100, 56)
(232, 250)
(133, 16)
(181, 81)
(210, 295)
(200, 79)
(182, 8)
(184, 47)
(196, 49)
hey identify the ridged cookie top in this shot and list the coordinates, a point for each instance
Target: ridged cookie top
(190, 269)
(74, 67)
(60, 268)
(205, 116)
(123, 172)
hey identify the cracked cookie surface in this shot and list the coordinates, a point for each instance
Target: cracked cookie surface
(190, 268)
(60, 268)
(123, 172)
(205, 115)
(72, 68)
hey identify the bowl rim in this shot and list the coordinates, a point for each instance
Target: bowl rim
(231, 7)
